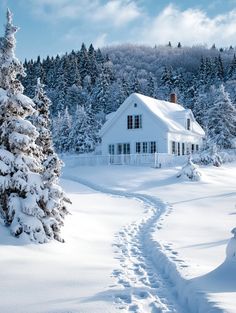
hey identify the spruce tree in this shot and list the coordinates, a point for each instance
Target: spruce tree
(22, 189)
(222, 119)
(232, 69)
(54, 198)
(84, 132)
(64, 144)
(150, 90)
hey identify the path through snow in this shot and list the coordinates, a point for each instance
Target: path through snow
(145, 288)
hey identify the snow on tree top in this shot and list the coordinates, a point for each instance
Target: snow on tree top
(172, 115)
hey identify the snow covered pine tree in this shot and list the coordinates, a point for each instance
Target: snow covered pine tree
(54, 198)
(23, 205)
(190, 171)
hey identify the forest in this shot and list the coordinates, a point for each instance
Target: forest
(86, 84)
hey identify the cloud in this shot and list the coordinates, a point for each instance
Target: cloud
(115, 12)
(191, 26)
(54, 10)
(100, 41)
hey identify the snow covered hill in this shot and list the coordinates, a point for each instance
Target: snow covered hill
(138, 240)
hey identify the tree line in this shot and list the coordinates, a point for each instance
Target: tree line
(87, 84)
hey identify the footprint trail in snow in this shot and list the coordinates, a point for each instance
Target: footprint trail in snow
(143, 288)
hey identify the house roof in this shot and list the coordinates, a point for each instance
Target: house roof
(172, 115)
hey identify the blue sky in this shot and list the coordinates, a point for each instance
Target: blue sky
(49, 27)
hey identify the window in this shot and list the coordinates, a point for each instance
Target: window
(129, 121)
(134, 121)
(183, 148)
(123, 148)
(126, 148)
(192, 148)
(138, 147)
(188, 123)
(137, 121)
(145, 147)
(119, 148)
(135, 105)
(178, 148)
(152, 147)
(111, 149)
(197, 147)
(173, 147)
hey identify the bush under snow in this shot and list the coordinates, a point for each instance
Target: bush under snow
(190, 171)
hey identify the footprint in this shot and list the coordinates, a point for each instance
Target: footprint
(116, 272)
(143, 294)
(156, 308)
(133, 308)
(126, 298)
(123, 282)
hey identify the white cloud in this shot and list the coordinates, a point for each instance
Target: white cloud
(117, 12)
(113, 12)
(100, 41)
(55, 10)
(191, 26)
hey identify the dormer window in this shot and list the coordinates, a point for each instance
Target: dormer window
(188, 126)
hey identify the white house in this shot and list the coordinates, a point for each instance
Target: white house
(147, 125)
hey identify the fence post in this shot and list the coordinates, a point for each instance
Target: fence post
(155, 160)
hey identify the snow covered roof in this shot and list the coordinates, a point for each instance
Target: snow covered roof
(172, 115)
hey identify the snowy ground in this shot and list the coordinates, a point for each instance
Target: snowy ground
(70, 277)
(193, 232)
(127, 249)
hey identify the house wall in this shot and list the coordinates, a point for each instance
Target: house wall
(188, 140)
(152, 130)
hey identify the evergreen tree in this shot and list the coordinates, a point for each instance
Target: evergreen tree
(41, 119)
(218, 70)
(150, 86)
(54, 198)
(232, 69)
(22, 192)
(135, 84)
(99, 94)
(64, 145)
(222, 120)
(92, 65)
(84, 62)
(84, 133)
(99, 57)
(200, 81)
(167, 79)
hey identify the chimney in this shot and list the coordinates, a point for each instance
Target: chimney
(173, 98)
